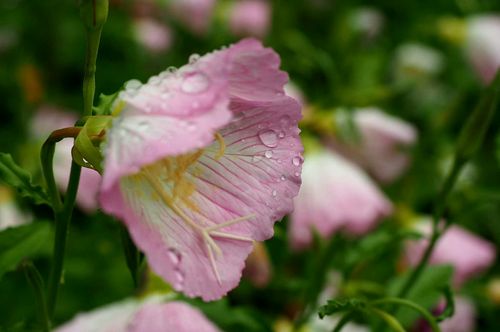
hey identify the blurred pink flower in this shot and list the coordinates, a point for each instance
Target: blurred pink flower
(335, 195)
(48, 119)
(192, 203)
(195, 14)
(469, 254)
(382, 139)
(250, 18)
(154, 36)
(134, 316)
(464, 318)
(483, 45)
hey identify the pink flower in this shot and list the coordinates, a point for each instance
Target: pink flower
(195, 14)
(464, 318)
(483, 45)
(48, 119)
(152, 35)
(250, 18)
(194, 203)
(381, 143)
(335, 195)
(469, 254)
(134, 316)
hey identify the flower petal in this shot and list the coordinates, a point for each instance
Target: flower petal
(171, 316)
(335, 194)
(195, 215)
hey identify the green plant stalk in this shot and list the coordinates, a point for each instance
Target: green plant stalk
(36, 282)
(387, 318)
(343, 321)
(436, 232)
(93, 40)
(396, 301)
(63, 218)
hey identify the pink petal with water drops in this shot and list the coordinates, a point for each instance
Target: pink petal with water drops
(195, 215)
(335, 195)
(170, 316)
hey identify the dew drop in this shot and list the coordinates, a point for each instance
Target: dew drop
(269, 138)
(154, 80)
(256, 158)
(283, 178)
(285, 120)
(171, 70)
(297, 174)
(195, 83)
(268, 154)
(281, 134)
(193, 58)
(274, 193)
(174, 256)
(132, 85)
(296, 161)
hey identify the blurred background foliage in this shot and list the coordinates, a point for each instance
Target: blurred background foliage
(336, 63)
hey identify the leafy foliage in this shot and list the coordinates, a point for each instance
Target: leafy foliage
(23, 242)
(17, 177)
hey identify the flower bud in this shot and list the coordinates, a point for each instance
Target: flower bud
(94, 13)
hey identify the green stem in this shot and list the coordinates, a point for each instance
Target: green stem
(47, 156)
(36, 282)
(63, 217)
(343, 321)
(93, 40)
(436, 232)
(387, 318)
(427, 316)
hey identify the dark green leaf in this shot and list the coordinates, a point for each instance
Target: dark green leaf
(335, 306)
(105, 103)
(20, 179)
(426, 292)
(22, 242)
(449, 310)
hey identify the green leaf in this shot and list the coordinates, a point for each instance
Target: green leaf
(27, 241)
(12, 174)
(335, 306)
(426, 292)
(105, 103)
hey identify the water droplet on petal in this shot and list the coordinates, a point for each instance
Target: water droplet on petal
(296, 161)
(171, 70)
(297, 174)
(268, 154)
(281, 134)
(269, 138)
(193, 58)
(285, 120)
(256, 158)
(283, 178)
(274, 193)
(154, 80)
(133, 85)
(195, 83)
(174, 256)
